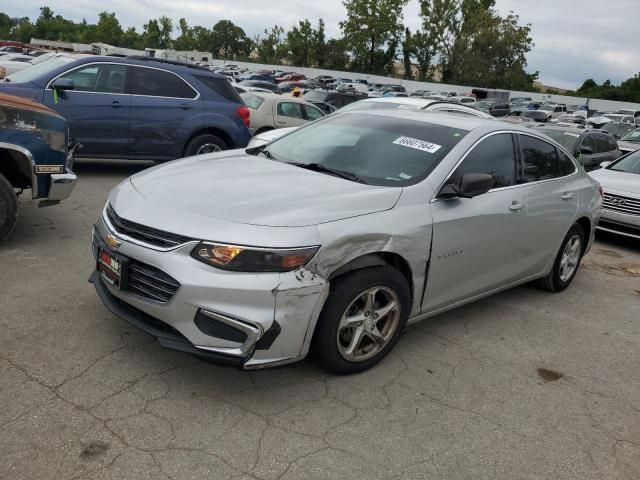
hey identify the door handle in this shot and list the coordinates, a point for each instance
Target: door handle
(516, 206)
(567, 195)
(116, 104)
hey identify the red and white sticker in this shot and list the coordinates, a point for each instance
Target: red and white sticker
(417, 144)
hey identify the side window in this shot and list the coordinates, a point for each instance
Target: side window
(495, 156)
(104, 78)
(612, 144)
(540, 159)
(313, 113)
(588, 142)
(565, 164)
(602, 144)
(288, 109)
(159, 83)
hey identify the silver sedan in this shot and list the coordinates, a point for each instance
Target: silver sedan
(335, 237)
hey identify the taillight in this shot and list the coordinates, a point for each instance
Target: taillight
(243, 111)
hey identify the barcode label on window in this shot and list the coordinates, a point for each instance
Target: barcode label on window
(417, 144)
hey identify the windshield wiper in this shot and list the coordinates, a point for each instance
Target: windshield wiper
(318, 167)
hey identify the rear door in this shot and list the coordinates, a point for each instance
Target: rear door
(476, 240)
(164, 108)
(97, 109)
(588, 160)
(552, 190)
(288, 114)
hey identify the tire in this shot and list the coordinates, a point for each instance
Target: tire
(8, 208)
(349, 294)
(205, 143)
(558, 280)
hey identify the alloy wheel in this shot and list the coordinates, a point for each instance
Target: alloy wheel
(570, 258)
(208, 148)
(368, 324)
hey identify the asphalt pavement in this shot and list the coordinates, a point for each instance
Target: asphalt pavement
(523, 385)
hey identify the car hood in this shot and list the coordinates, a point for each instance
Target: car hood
(619, 181)
(237, 187)
(628, 146)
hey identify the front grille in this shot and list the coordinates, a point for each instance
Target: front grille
(150, 282)
(620, 204)
(143, 233)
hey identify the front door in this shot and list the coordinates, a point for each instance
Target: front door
(97, 108)
(288, 114)
(164, 110)
(476, 240)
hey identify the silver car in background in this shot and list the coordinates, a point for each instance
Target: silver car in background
(334, 237)
(620, 181)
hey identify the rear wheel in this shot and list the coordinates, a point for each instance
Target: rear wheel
(206, 143)
(8, 208)
(567, 261)
(362, 319)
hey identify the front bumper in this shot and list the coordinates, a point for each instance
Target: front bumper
(61, 185)
(272, 316)
(619, 223)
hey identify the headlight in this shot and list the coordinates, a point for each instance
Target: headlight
(252, 259)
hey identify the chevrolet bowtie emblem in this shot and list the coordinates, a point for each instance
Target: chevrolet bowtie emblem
(112, 241)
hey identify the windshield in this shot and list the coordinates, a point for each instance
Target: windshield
(632, 136)
(615, 128)
(630, 164)
(252, 101)
(36, 71)
(377, 149)
(568, 140)
(372, 105)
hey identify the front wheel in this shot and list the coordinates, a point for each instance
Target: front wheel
(362, 319)
(8, 208)
(567, 261)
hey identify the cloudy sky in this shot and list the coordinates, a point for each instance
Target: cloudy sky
(574, 39)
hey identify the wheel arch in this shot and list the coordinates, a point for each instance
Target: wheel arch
(374, 259)
(17, 165)
(585, 224)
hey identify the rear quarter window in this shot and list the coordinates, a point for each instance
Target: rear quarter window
(220, 86)
(251, 100)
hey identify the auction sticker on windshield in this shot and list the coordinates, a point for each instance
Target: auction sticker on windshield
(417, 144)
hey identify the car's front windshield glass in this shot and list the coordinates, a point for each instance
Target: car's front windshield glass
(31, 73)
(630, 164)
(568, 140)
(633, 136)
(379, 150)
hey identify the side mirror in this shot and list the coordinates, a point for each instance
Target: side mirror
(63, 84)
(468, 186)
(605, 164)
(586, 150)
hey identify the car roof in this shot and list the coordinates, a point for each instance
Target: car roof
(415, 101)
(463, 122)
(563, 128)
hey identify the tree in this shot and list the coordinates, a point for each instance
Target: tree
(407, 52)
(271, 49)
(108, 29)
(370, 25)
(336, 54)
(487, 50)
(300, 41)
(320, 45)
(438, 22)
(228, 41)
(132, 39)
(6, 24)
(157, 33)
(185, 40)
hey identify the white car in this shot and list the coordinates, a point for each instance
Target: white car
(401, 103)
(13, 63)
(270, 111)
(620, 181)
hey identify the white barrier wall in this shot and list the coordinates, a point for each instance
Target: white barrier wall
(411, 85)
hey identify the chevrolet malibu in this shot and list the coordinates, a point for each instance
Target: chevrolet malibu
(333, 238)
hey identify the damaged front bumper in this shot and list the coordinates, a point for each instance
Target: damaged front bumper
(246, 320)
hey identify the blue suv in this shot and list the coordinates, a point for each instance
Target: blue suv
(138, 107)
